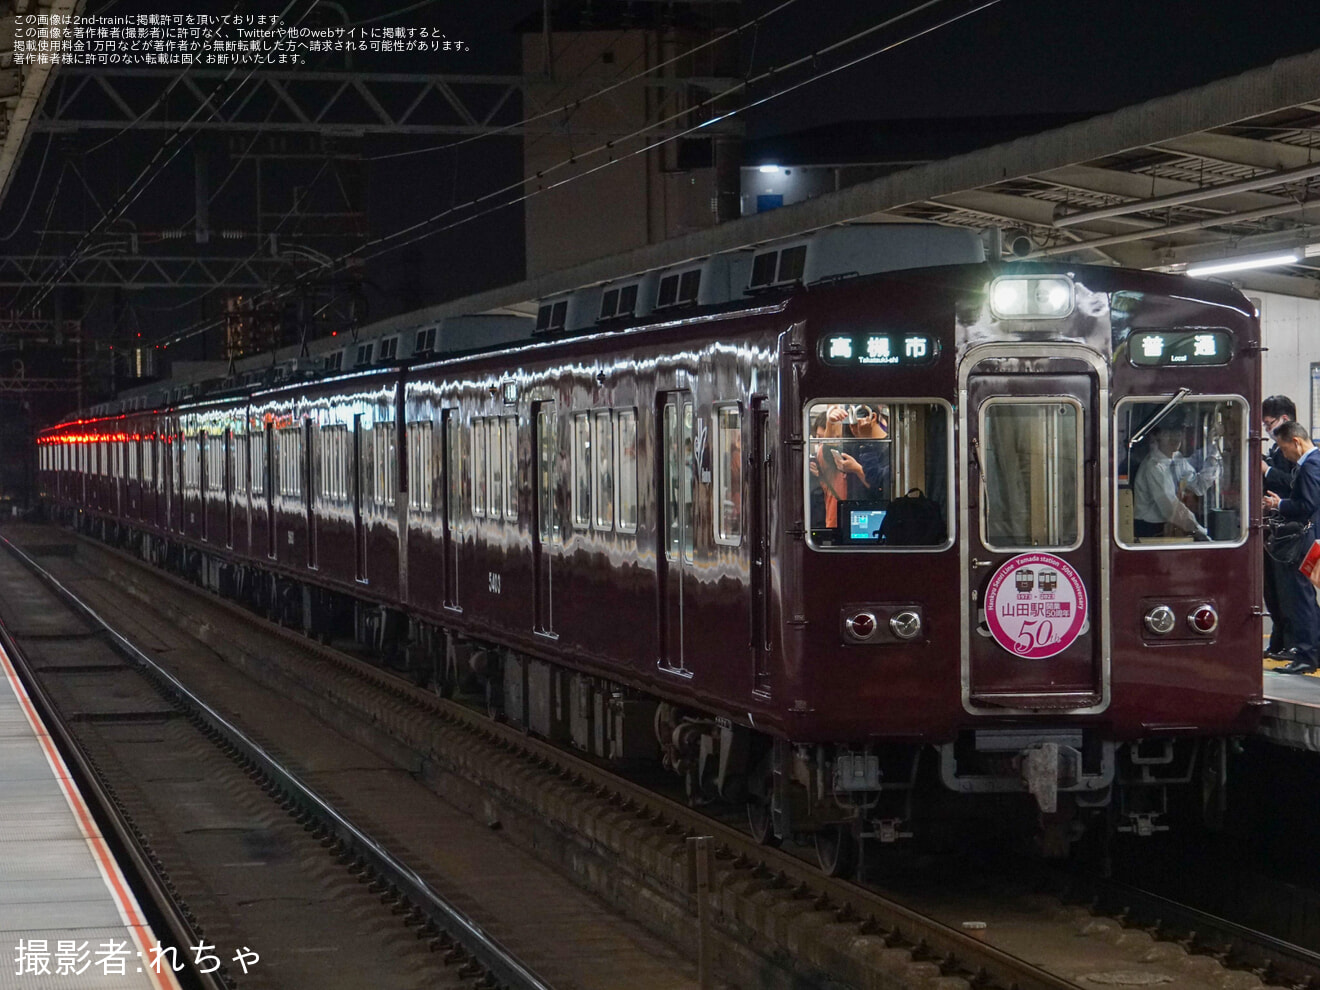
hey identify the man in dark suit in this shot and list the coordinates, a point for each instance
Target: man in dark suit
(1278, 472)
(1296, 593)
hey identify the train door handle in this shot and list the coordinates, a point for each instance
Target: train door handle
(981, 563)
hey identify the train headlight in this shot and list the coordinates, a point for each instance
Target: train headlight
(861, 626)
(905, 625)
(1203, 619)
(1160, 620)
(1048, 298)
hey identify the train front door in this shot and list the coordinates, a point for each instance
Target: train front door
(676, 531)
(548, 538)
(1035, 531)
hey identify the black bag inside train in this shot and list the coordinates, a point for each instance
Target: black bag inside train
(1288, 541)
(913, 521)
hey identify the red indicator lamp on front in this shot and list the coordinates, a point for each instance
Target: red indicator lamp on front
(861, 625)
(1203, 619)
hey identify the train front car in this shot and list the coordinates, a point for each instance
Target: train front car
(1026, 568)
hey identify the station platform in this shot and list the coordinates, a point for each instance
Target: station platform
(1292, 717)
(68, 919)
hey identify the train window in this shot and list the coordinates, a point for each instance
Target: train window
(238, 461)
(602, 487)
(863, 454)
(547, 452)
(667, 294)
(1181, 471)
(511, 468)
(333, 476)
(625, 474)
(386, 476)
(421, 472)
(479, 468)
(291, 460)
(454, 467)
(215, 464)
(257, 451)
(581, 471)
(495, 462)
(728, 475)
(1031, 463)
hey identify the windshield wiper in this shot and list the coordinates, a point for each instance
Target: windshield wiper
(1154, 421)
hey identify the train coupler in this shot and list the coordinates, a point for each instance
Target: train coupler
(1142, 824)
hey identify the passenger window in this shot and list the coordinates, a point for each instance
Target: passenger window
(581, 471)
(420, 469)
(495, 460)
(454, 468)
(1032, 472)
(728, 475)
(511, 468)
(626, 473)
(602, 493)
(1179, 471)
(479, 468)
(877, 474)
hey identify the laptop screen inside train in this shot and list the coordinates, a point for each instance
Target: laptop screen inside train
(861, 521)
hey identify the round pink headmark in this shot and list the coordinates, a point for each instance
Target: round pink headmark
(1035, 605)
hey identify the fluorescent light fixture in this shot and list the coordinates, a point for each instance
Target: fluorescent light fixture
(769, 169)
(1241, 264)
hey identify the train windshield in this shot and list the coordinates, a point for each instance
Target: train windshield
(877, 474)
(1182, 482)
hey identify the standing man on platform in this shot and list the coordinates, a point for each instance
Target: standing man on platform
(1278, 473)
(1297, 595)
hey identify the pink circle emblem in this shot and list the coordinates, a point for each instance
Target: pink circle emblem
(1035, 605)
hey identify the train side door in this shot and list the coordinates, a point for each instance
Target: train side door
(451, 489)
(547, 535)
(311, 471)
(677, 490)
(758, 539)
(359, 529)
(268, 456)
(1036, 536)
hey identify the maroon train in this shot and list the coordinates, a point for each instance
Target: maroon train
(821, 549)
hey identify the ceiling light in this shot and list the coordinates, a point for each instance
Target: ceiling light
(1240, 264)
(769, 169)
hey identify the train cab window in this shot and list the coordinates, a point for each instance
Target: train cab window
(877, 474)
(728, 475)
(581, 471)
(1031, 470)
(602, 478)
(625, 474)
(1180, 471)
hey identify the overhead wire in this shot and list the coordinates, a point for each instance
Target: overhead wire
(574, 105)
(128, 197)
(356, 254)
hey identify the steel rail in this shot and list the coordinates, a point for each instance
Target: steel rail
(993, 966)
(482, 946)
(167, 908)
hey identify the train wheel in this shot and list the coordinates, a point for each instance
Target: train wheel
(761, 822)
(836, 850)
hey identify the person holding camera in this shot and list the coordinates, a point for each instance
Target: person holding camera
(1277, 471)
(1296, 594)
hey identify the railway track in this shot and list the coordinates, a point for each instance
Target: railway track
(199, 804)
(766, 906)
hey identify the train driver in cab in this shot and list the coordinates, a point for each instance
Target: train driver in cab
(1165, 474)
